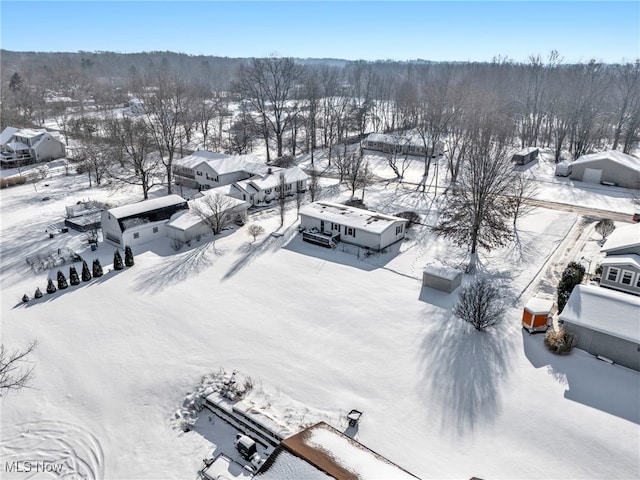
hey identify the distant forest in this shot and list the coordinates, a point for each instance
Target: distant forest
(295, 105)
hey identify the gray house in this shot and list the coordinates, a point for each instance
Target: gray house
(622, 272)
(606, 323)
(610, 167)
(623, 241)
(26, 146)
(356, 226)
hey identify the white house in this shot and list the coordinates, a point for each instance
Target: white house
(204, 170)
(140, 222)
(263, 188)
(605, 323)
(352, 225)
(186, 225)
(26, 146)
(610, 167)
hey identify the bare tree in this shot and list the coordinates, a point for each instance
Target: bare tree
(476, 215)
(480, 304)
(356, 172)
(215, 210)
(314, 184)
(141, 166)
(254, 230)
(524, 189)
(12, 375)
(605, 227)
(269, 84)
(94, 158)
(280, 190)
(165, 106)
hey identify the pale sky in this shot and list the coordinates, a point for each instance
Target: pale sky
(368, 30)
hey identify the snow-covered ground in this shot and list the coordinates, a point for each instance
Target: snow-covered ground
(327, 330)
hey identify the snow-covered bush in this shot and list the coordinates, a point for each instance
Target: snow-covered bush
(480, 304)
(73, 276)
(62, 281)
(51, 288)
(38, 293)
(128, 256)
(117, 261)
(86, 273)
(572, 276)
(25, 298)
(559, 341)
(97, 268)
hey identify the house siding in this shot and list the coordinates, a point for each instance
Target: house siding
(613, 275)
(611, 172)
(621, 351)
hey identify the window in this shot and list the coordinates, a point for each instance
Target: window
(136, 235)
(335, 226)
(155, 229)
(627, 276)
(399, 229)
(267, 191)
(638, 281)
(199, 173)
(612, 276)
(350, 231)
(289, 186)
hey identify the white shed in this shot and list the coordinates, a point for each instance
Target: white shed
(441, 277)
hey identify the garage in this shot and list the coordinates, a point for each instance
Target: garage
(592, 175)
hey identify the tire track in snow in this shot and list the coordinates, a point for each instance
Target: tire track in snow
(71, 451)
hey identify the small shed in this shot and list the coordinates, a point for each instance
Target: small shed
(536, 314)
(563, 169)
(525, 155)
(441, 277)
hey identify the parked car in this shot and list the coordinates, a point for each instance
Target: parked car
(246, 446)
(636, 217)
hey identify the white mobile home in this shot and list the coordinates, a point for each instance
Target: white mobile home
(140, 222)
(356, 226)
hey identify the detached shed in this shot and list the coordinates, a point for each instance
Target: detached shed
(535, 317)
(441, 277)
(563, 169)
(525, 155)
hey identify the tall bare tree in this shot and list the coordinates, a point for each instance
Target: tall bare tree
(13, 376)
(269, 84)
(215, 210)
(477, 215)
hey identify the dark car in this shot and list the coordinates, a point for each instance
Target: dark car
(636, 217)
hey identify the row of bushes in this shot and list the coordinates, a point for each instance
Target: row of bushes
(74, 279)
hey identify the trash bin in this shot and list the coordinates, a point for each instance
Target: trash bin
(94, 247)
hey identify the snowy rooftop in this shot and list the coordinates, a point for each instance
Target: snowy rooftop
(196, 158)
(622, 237)
(6, 134)
(628, 161)
(604, 310)
(539, 306)
(350, 216)
(631, 259)
(286, 466)
(340, 456)
(224, 467)
(272, 180)
(146, 206)
(183, 220)
(29, 132)
(223, 200)
(526, 151)
(442, 271)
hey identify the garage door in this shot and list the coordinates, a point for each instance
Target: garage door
(592, 175)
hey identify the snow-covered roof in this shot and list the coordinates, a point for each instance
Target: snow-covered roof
(340, 456)
(286, 466)
(604, 310)
(399, 139)
(526, 151)
(29, 132)
(350, 216)
(196, 158)
(146, 206)
(442, 271)
(225, 200)
(272, 180)
(17, 146)
(224, 467)
(539, 306)
(622, 237)
(183, 220)
(630, 259)
(616, 156)
(7, 134)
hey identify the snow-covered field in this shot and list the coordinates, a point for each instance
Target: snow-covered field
(326, 330)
